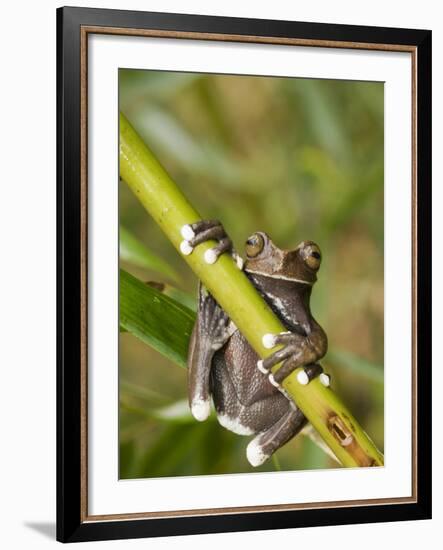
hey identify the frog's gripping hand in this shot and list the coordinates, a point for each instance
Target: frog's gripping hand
(206, 230)
(211, 331)
(298, 350)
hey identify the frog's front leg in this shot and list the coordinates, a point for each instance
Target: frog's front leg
(298, 350)
(206, 230)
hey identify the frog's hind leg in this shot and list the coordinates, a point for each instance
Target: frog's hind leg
(268, 441)
(211, 331)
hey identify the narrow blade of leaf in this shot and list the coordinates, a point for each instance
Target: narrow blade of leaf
(154, 318)
(135, 252)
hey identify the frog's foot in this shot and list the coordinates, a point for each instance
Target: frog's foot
(297, 351)
(312, 371)
(267, 442)
(206, 230)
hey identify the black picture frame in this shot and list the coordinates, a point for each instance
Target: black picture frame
(72, 523)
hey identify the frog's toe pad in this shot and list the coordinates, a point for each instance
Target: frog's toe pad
(186, 248)
(303, 378)
(254, 454)
(187, 232)
(210, 256)
(200, 409)
(325, 379)
(269, 341)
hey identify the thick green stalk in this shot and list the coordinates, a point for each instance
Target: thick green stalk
(237, 296)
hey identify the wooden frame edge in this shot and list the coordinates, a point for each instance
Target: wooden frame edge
(91, 29)
(100, 527)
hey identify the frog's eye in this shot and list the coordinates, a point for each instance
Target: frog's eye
(254, 245)
(312, 256)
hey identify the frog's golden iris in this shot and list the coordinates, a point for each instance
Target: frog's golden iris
(254, 245)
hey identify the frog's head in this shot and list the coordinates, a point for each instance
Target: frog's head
(265, 258)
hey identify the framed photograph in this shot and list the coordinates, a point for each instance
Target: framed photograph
(244, 274)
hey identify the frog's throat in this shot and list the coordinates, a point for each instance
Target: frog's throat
(279, 276)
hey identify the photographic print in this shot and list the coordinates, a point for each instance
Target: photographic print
(244, 274)
(287, 174)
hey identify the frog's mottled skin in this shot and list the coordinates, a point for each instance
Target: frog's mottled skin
(247, 398)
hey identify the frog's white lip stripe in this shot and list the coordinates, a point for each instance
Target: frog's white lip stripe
(293, 279)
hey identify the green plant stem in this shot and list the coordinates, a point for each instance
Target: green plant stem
(237, 296)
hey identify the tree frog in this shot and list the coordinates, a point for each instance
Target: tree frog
(248, 398)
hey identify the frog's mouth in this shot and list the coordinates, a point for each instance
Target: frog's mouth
(280, 276)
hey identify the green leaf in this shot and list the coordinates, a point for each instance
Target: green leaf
(154, 318)
(175, 293)
(181, 296)
(135, 252)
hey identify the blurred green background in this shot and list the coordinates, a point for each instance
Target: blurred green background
(299, 159)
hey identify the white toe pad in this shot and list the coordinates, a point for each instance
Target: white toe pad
(200, 409)
(325, 379)
(255, 454)
(185, 248)
(303, 378)
(268, 341)
(210, 256)
(187, 232)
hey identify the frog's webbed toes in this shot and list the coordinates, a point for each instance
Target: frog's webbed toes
(312, 371)
(287, 338)
(292, 347)
(297, 351)
(309, 373)
(195, 233)
(206, 230)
